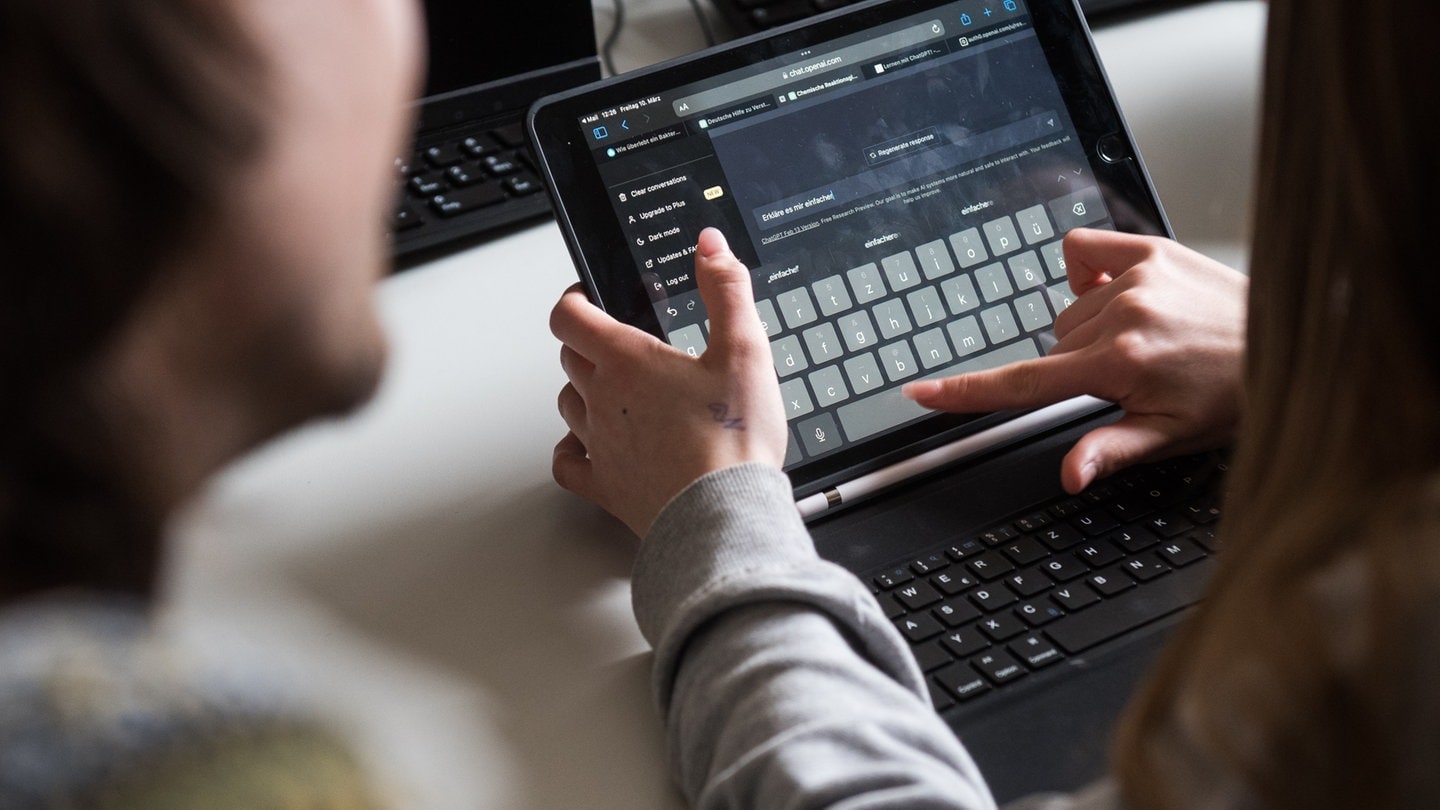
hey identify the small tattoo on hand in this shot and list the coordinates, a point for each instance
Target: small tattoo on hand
(720, 412)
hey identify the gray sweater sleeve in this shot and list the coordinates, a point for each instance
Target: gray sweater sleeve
(781, 682)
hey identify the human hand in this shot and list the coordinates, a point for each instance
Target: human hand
(1155, 327)
(647, 419)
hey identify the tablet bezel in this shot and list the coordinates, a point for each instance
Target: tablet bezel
(604, 261)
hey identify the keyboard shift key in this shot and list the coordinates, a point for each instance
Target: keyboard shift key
(931, 655)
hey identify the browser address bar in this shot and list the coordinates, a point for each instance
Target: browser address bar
(813, 65)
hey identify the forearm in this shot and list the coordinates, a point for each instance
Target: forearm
(781, 682)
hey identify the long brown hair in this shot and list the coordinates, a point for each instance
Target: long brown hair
(122, 125)
(1308, 676)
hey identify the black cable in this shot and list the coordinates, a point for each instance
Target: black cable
(704, 23)
(608, 47)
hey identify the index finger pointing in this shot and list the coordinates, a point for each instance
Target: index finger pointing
(1024, 384)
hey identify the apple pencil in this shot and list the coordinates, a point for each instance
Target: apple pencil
(1012, 430)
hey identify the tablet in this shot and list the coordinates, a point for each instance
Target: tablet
(898, 177)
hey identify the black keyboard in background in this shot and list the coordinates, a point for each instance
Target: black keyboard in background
(986, 610)
(464, 184)
(751, 16)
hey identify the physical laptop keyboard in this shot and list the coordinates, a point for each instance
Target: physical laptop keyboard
(985, 610)
(466, 183)
(752, 16)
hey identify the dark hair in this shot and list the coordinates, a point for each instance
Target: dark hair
(1306, 679)
(121, 124)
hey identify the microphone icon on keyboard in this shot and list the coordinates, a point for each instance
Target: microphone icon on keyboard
(819, 435)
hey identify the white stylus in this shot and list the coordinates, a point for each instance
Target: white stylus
(1016, 428)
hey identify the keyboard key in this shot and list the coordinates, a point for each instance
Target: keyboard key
(864, 375)
(891, 318)
(447, 154)
(1059, 536)
(1053, 255)
(1094, 522)
(959, 294)
(1061, 569)
(1025, 269)
(522, 185)
(1000, 325)
(961, 682)
(789, 358)
(994, 283)
(831, 295)
(820, 435)
(969, 247)
(454, 203)
(823, 343)
(1038, 613)
(966, 548)
(1110, 618)
(768, 317)
(796, 307)
(1036, 651)
(1001, 626)
(935, 259)
(898, 362)
(498, 166)
(900, 271)
(796, 398)
(1024, 550)
(930, 655)
(956, 612)
(1034, 312)
(865, 281)
(829, 386)
(1169, 523)
(919, 626)
(990, 565)
(1001, 236)
(1181, 552)
(966, 336)
(1028, 582)
(858, 331)
(933, 349)
(1098, 554)
(895, 576)
(992, 597)
(1073, 598)
(1132, 540)
(954, 581)
(916, 595)
(964, 642)
(1033, 521)
(1145, 568)
(998, 666)
(1109, 582)
(925, 306)
(998, 535)
(1034, 225)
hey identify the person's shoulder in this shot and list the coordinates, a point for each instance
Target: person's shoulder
(99, 708)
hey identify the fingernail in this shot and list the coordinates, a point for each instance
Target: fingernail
(724, 244)
(923, 388)
(1088, 473)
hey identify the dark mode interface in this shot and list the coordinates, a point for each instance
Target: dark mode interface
(920, 148)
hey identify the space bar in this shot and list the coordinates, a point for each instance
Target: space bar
(890, 408)
(1150, 601)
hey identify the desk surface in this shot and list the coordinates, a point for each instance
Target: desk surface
(415, 569)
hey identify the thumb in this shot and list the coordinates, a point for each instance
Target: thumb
(1111, 448)
(724, 284)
